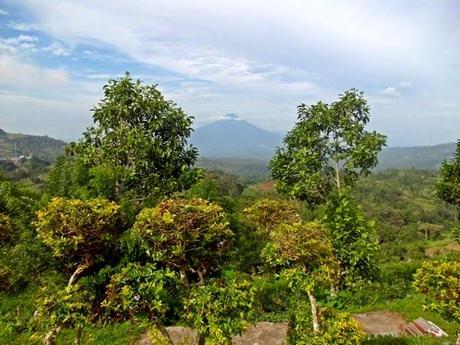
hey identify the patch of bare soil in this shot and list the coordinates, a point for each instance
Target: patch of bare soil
(381, 323)
(450, 247)
(267, 186)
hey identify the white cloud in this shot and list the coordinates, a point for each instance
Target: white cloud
(18, 74)
(100, 76)
(58, 49)
(261, 58)
(390, 91)
(3, 12)
(21, 43)
(20, 26)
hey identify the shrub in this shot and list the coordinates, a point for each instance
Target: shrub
(220, 309)
(73, 227)
(337, 328)
(440, 283)
(6, 228)
(185, 235)
(267, 213)
(138, 289)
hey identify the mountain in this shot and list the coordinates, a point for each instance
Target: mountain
(233, 138)
(42, 147)
(419, 157)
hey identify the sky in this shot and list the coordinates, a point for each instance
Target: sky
(258, 59)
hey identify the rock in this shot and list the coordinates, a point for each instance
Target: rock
(181, 335)
(382, 323)
(263, 333)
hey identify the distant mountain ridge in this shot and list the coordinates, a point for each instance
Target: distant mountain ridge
(234, 146)
(418, 157)
(233, 138)
(43, 147)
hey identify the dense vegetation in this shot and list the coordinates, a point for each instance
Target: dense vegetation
(127, 235)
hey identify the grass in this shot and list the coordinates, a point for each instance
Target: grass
(16, 317)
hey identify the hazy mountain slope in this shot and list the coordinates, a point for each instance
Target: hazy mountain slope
(235, 138)
(42, 147)
(419, 157)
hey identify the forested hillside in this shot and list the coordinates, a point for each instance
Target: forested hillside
(42, 147)
(125, 236)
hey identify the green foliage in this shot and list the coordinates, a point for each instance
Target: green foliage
(337, 328)
(138, 289)
(6, 277)
(327, 148)
(141, 139)
(21, 255)
(304, 247)
(69, 178)
(73, 227)
(6, 229)
(352, 239)
(448, 186)
(185, 235)
(440, 283)
(70, 306)
(220, 309)
(267, 213)
(215, 185)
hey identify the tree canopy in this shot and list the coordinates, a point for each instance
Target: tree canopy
(189, 236)
(448, 186)
(328, 147)
(139, 139)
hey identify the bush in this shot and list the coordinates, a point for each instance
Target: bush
(190, 236)
(5, 279)
(73, 227)
(267, 213)
(220, 309)
(337, 328)
(440, 283)
(6, 229)
(138, 289)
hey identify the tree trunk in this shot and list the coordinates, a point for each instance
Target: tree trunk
(80, 269)
(314, 311)
(201, 274)
(183, 278)
(199, 340)
(337, 175)
(78, 335)
(50, 337)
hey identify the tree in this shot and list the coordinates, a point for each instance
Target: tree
(141, 139)
(448, 185)
(327, 149)
(267, 213)
(219, 309)
(189, 236)
(352, 239)
(306, 258)
(75, 230)
(440, 282)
